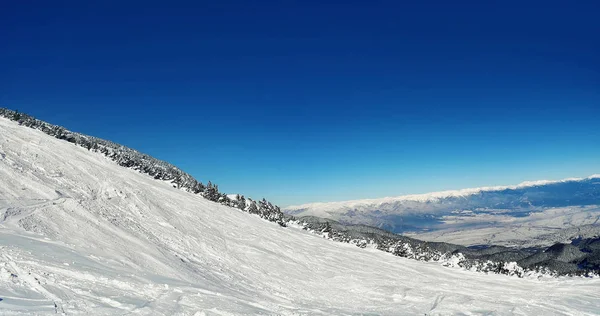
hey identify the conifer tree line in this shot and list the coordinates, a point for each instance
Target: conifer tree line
(146, 164)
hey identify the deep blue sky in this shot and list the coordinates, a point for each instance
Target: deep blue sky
(301, 101)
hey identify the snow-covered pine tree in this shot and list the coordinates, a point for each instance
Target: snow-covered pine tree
(253, 209)
(241, 202)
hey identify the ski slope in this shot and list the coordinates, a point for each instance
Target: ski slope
(80, 235)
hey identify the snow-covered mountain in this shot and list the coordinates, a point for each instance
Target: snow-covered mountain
(445, 195)
(80, 234)
(552, 204)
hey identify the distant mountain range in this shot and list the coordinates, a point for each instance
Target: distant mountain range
(469, 208)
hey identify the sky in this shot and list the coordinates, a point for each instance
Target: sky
(305, 101)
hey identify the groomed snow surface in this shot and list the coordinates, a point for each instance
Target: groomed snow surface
(82, 236)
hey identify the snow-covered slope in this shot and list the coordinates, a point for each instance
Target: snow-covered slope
(81, 235)
(158, 169)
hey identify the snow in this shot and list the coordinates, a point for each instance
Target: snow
(81, 235)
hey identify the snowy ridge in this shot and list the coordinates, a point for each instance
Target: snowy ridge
(158, 169)
(433, 196)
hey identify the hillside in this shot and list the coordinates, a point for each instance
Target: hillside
(81, 234)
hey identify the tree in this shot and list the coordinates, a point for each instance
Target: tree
(211, 192)
(327, 228)
(253, 209)
(241, 202)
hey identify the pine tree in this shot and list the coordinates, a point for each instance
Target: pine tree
(211, 192)
(253, 209)
(327, 228)
(241, 202)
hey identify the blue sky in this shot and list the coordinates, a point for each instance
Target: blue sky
(302, 101)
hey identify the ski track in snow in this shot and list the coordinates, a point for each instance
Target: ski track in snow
(84, 236)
